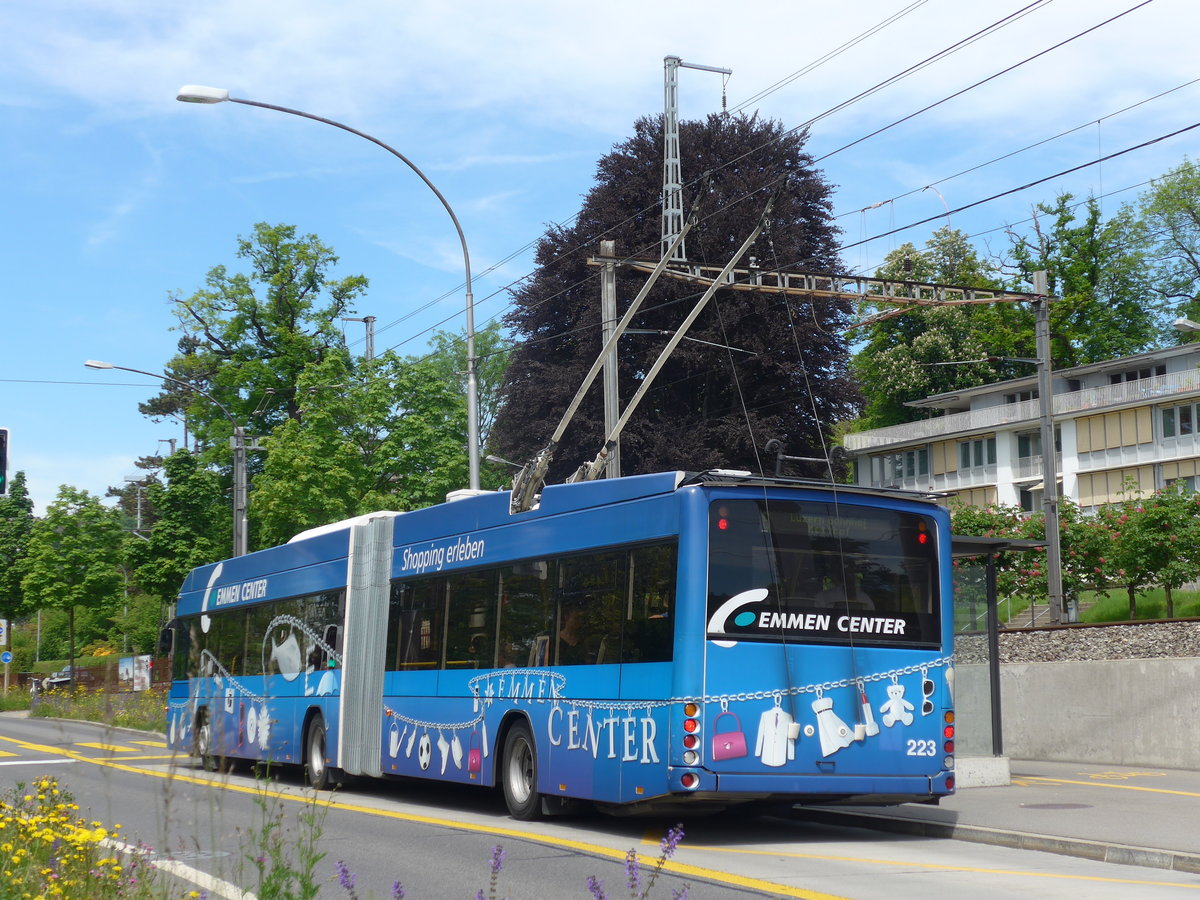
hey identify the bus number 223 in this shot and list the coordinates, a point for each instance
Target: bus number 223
(922, 748)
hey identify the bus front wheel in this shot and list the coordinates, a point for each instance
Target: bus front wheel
(519, 774)
(316, 769)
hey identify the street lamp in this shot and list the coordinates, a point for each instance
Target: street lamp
(1185, 324)
(237, 442)
(195, 93)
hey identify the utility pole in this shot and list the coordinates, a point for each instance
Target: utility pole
(672, 215)
(608, 323)
(369, 321)
(1054, 589)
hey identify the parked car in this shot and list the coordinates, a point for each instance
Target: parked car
(62, 678)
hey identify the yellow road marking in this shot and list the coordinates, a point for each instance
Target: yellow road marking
(111, 748)
(597, 850)
(6, 753)
(780, 890)
(937, 866)
(1037, 779)
(162, 745)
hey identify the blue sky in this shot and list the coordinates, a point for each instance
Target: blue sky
(115, 195)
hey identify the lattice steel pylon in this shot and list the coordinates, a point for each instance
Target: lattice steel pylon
(672, 208)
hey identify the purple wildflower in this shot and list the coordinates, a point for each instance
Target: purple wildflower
(397, 891)
(671, 840)
(497, 859)
(346, 878)
(632, 872)
(596, 886)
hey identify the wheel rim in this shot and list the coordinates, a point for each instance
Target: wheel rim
(316, 757)
(520, 772)
(203, 742)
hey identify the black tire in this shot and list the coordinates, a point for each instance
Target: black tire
(316, 770)
(518, 774)
(203, 744)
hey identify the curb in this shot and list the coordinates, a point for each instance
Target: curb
(24, 714)
(1173, 860)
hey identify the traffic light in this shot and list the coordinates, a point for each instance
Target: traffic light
(3, 462)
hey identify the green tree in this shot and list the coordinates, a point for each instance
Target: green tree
(1155, 543)
(136, 625)
(1086, 544)
(16, 524)
(248, 336)
(389, 435)
(930, 351)
(74, 557)
(1098, 273)
(194, 527)
(1170, 215)
(710, 406)
(448, 357)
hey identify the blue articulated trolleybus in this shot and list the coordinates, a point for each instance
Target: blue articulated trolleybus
(640, 642)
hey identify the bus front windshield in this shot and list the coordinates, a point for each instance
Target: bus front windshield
(820, 572)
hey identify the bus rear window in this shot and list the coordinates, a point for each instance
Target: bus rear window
(808, 571)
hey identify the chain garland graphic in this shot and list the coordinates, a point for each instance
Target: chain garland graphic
(545, 686)
(211, 667)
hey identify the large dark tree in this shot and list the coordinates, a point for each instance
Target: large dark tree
(709, 406)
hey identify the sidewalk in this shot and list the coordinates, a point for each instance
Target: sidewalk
(1139, 816)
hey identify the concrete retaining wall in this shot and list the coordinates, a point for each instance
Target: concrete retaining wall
(1128, 712)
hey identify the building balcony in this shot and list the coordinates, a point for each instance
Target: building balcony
(1093, 400)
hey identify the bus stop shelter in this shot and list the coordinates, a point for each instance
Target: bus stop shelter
(979, 709)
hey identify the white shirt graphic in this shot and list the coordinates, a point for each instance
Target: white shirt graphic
(774, 745)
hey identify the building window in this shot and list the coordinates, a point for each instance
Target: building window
(1179, 420)
(1020, 396)
(1029, 444)
(1027, 500)
(1137, 374)
(892, 468)
(977, 453)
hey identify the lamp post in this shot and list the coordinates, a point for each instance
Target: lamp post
(237, 442)
(194, 93)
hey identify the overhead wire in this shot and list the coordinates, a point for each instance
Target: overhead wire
(958, 45)
(1010, 154)
(941, 54)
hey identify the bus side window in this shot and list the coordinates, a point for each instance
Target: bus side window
(650, 624)
(415, 624)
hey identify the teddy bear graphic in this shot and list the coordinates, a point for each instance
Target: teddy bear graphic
(896, 709)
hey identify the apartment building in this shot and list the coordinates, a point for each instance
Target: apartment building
(1131, 419)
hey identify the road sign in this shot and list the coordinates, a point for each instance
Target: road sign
(3, 631)
(5, 657)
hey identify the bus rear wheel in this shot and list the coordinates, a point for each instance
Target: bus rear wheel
(316, 770)
(518, 776)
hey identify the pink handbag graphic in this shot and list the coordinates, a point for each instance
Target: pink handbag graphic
(728, 744)
(474, 757)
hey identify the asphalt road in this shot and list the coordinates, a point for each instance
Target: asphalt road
(438, 840)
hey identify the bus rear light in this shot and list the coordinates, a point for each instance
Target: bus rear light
(690, 757)
(949, 782)
(949, 716)
(949, 746)
(691, 726)
(948, 732)
(690, 780)
(690, 741)
(691, 710)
